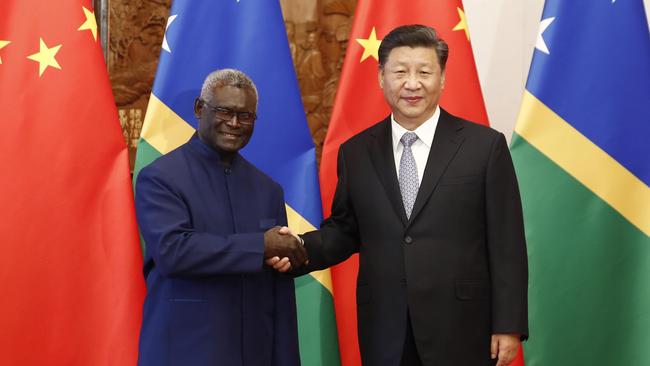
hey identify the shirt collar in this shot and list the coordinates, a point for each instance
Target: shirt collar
(424, 132)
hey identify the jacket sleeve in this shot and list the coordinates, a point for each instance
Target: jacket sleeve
(176, 247)
(338, 237)
(506, 243)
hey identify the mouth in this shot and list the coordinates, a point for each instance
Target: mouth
(412, 99)
(229, 135)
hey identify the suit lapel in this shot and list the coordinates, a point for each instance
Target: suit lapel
(381, 154)
(446, 142)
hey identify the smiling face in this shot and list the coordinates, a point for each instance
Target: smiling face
(225, 136)
(412, 81)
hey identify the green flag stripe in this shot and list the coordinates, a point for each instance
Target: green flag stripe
(315, 316)
(146, 154)
(580, 314)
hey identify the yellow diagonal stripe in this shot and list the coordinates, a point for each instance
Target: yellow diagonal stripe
(163, 128)
(299, 225)
(585, 161)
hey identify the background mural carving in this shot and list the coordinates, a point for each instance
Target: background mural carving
(135, 32)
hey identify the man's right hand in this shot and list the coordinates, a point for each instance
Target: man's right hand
(281, 265)
(281, 245)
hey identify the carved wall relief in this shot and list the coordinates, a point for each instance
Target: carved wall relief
(136, 30)
(319, 35)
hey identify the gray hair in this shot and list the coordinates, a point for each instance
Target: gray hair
(227, 77)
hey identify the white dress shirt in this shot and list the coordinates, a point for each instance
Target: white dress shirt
(420, 147)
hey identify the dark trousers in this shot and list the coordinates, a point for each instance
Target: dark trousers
(410, 356)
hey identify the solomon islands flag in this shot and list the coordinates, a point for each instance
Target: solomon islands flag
(581, 148)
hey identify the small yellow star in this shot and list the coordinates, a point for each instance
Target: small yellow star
(370, 46)
(2, 44)
(90, 23)
(45, 57)
(462, 24)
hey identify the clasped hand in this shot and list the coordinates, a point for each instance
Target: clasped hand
(283, 250)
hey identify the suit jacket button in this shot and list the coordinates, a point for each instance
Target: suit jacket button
(408, 239)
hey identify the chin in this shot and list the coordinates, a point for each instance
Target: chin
(413, 116)
(421, 113)
(232, 147)
(229, 149)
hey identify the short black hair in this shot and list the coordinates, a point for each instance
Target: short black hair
(413, 35)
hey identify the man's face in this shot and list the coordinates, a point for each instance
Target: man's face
(412, 81)
(225, 136)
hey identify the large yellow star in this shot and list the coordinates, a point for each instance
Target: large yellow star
(45, 57)
(2, 44)
(370, 46)
(90, 23)
(462, 24)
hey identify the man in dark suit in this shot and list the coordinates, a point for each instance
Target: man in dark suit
(209, 219)
(431, 204)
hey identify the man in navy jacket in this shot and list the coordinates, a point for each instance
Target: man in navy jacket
(209, 218)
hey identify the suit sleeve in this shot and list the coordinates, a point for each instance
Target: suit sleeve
(338, 237)
(176, 247)
(285, 332)
(506, 244)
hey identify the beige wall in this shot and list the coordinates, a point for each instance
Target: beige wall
(503, 34)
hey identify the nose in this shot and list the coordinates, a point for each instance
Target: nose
(412, 82)
(233, 122)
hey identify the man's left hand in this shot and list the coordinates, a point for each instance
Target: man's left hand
(505, 347)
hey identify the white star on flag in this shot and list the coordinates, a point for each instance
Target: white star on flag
(541, 44)
(165, 45)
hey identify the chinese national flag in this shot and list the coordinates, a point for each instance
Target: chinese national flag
(70, 269)
(360, 104)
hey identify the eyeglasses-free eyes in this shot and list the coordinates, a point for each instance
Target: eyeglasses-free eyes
(227, 114)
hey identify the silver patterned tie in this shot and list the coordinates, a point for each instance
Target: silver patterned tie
(408, 173)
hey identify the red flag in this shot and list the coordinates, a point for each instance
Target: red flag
(360, 104)
(70, 268)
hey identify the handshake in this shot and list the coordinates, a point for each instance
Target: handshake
(283, 249)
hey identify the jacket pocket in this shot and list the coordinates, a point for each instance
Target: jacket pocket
(181, 300)
(472, 289)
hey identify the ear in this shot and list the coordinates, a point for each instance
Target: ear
(380, 76)
(442, 80)
(198, 105)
